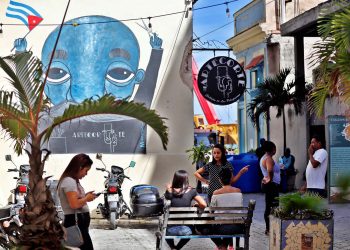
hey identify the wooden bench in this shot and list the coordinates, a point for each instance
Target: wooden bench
(196, 216)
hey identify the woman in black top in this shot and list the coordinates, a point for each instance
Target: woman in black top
(181, 195)
(214, 167)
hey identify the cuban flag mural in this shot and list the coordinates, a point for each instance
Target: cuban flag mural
(25, 13)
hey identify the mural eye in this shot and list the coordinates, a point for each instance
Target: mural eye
(119, 75)
(57, 75)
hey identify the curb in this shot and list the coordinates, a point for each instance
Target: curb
(124, 221)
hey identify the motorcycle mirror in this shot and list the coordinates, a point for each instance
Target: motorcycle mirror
(99, 156)
(132, 164)
(9, 158)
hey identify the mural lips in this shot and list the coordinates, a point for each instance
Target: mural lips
(222, 80)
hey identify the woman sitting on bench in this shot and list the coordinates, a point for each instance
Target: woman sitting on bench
(227, 196)
(181, 195)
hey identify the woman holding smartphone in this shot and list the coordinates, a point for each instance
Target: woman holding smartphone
(73, 197)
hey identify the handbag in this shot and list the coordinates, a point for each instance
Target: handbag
(74, 238)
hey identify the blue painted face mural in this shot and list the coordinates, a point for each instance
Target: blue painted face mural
(96, 55)
(91, 60)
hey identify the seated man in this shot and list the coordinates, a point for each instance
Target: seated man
(227, 196)
(287, 168)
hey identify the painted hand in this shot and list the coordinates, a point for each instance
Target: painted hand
(156, 42)
(20, 44)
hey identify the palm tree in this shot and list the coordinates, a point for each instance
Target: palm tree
(332, 54)
(20, 113)
(274, 92)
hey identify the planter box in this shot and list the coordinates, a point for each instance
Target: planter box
(301, 234)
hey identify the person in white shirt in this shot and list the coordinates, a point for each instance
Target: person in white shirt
(317, 167)
(227, 196)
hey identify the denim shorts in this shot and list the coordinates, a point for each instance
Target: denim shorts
(178, 230)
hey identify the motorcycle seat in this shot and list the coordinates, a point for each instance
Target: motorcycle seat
(5, 212)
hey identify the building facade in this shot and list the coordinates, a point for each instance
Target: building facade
(259, 46)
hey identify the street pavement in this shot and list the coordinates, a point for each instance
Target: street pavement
(140, 234)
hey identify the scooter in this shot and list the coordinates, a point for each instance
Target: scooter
(114, 205)
(10, 225)
(22, 184)
(144, 199)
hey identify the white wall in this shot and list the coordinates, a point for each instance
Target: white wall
(296, 127)
(173, 98)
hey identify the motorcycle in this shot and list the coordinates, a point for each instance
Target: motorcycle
(10, 225)
(22, 186)
(114, 205)
(21, 190)
(145, 199)
(52, 186)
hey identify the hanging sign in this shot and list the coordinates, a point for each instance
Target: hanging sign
(222, 80)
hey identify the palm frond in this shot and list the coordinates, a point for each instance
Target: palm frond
(260, 105)
(108, 105)
(14, 121)
(317, 99)
(274, 92)
(17, 133)
(24, 72)
(9, 109)
(333, 55)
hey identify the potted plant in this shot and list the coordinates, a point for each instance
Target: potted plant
(341, 193)
(200, 155)
(301, 221)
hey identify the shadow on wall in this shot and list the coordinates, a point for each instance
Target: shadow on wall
(165, 167)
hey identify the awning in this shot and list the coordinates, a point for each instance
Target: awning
(255, 61)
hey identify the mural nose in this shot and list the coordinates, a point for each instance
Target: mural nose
(79, 92)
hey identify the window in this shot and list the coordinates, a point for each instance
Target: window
(257, 75)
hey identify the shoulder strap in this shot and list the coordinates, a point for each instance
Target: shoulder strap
(75, 210)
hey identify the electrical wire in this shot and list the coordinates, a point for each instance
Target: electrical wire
(125, 20)
(215, 5)
(214, 30)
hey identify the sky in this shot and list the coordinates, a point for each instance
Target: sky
(207, 21)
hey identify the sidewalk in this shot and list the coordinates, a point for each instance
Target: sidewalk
(139, 234)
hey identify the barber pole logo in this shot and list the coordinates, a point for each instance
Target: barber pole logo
(222, 80)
